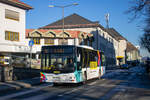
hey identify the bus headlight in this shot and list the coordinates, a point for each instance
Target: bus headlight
(72, 78)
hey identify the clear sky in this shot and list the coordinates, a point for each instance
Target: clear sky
(93, 10)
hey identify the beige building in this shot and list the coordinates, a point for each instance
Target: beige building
(126, 51)
(42, 37)
(102, 39)
(120, 45)
(133, 53)
(109, 40)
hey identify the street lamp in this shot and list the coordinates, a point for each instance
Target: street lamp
(63, 23)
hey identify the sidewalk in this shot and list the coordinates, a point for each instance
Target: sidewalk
(16, 85)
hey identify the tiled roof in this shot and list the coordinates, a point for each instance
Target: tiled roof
(115, 34)
(72, 21)
(17, 3)
(73, 34)
(130, 47)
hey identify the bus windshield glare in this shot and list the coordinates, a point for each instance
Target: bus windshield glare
(57, 63)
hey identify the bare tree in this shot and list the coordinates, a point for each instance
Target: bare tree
(139, 8)
(142, 8)
(145, 41)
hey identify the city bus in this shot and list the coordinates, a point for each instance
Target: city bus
(71, 64)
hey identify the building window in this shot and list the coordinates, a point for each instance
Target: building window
(49, 41)
(12, 36)
(103, 35)
(36, 41)
(13, 15)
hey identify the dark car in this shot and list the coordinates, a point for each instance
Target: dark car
(124, 66)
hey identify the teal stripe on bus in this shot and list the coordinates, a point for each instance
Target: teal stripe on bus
(78, 75)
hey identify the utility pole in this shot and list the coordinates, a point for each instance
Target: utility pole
(107, 20)
(63, 21)
(31, 43)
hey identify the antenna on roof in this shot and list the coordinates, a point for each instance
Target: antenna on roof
(107, 20)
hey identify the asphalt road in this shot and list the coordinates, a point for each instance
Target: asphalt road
(132, 84)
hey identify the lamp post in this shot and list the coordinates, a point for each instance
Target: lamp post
(63, 22)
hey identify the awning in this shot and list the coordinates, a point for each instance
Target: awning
(119, 57)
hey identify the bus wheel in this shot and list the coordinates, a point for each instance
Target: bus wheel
(99, 76)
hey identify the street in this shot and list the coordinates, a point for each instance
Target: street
(120, 84)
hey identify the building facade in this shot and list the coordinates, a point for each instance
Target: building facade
(42, 37)
(120, 45)
(133, 53)
(12, 29)
(102, 39)
(108, 40)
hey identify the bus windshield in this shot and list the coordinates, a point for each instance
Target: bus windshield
(57, 63)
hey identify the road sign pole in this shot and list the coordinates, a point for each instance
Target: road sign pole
(31, 43)
(30, 56)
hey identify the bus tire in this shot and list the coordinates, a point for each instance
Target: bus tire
(99, 76)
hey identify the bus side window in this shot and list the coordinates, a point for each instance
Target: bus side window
(85, 59)
(79, 66)
(78, 55)
(43, 62)
(79, 59)
(88, 59)
(102, 59)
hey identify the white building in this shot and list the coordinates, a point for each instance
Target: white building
(12, 27)
(120, 45)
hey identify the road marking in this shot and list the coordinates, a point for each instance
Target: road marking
(69, 92)
(24, 92)
(81, 87)
(92, 83)
(113, 92)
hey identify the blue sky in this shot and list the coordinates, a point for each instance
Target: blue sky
(94, 10)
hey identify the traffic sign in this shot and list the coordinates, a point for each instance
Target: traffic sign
(31, 43)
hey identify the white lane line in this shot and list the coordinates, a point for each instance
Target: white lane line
(112, 92)
(69, 92)
(24, 92)
(81, 87)
(92, 83)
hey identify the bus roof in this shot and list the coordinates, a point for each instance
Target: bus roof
(82, 46)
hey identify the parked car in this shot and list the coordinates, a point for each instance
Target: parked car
(124, 66)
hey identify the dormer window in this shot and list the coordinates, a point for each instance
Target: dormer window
(49, 41)
(36, 40)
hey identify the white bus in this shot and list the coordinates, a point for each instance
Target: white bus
(71, 64)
